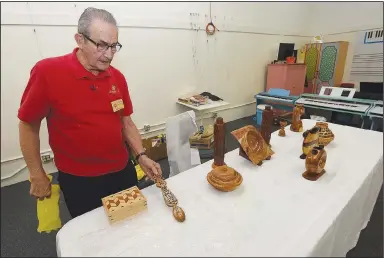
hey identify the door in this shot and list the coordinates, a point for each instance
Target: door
(327, 66)
(311, 60)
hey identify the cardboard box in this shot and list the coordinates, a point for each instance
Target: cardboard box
(155, 150)
(202, 143)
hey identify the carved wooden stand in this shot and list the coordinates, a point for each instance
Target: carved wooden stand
(219, 143)
(222, 177)
(252, 145)
(244, 155)
(266, 124)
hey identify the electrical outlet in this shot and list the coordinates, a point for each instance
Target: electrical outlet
(45, 158)
(147, 128)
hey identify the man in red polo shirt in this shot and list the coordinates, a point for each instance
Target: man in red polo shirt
(87, 107)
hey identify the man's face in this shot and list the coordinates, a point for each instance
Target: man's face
(104, 34)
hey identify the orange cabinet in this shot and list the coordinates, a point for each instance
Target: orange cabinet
(287, 76)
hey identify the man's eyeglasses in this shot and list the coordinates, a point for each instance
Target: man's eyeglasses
(102, 46)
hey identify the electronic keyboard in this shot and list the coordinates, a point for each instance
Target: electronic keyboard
(377, 109)
(277, 98)
(347, 105)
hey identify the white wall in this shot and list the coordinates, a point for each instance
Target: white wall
(343, 17)
(165, 51)
(340, 21)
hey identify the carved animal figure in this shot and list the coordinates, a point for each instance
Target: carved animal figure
(311, 140)
(297, 124)
(315, 163)
(282, 128)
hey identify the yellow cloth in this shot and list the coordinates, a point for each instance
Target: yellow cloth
(139, 172)
(301, 55)
(48, 212)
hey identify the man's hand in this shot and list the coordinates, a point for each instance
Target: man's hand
(40, 186)
(150, 168)
(133, 138)
(30, 147)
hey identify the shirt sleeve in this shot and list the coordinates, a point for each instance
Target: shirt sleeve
(128, 107)
(34, 105)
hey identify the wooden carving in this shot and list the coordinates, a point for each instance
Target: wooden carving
(170, 199)
(219, 143)
(315, 163)
(124, 204)
(325, 134)
(252, 145)
(266, 124)
(297, 124)
(222, 177)
(283, 124)
(311, 140)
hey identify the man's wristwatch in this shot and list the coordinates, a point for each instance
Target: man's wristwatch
(140, 154)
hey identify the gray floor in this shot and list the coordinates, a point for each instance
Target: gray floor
(19, 237)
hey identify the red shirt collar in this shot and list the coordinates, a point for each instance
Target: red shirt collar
(81, 73)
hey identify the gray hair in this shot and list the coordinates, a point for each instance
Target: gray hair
(89, 15)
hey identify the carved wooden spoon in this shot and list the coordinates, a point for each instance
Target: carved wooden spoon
(170, 199)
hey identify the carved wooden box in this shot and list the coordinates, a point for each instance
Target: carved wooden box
(124, 204)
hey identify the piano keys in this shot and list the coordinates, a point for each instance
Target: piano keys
(276, 98)
(347, 105)
(373, 36)
(367, 62)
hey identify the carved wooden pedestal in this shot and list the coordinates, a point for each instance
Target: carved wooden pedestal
(266, 124)
(222, 177)
(219, 143)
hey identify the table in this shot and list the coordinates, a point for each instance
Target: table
(274, 212)
(202, 109)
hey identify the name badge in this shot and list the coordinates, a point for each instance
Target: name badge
(117, 105)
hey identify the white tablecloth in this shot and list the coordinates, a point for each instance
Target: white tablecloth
(275, 212)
